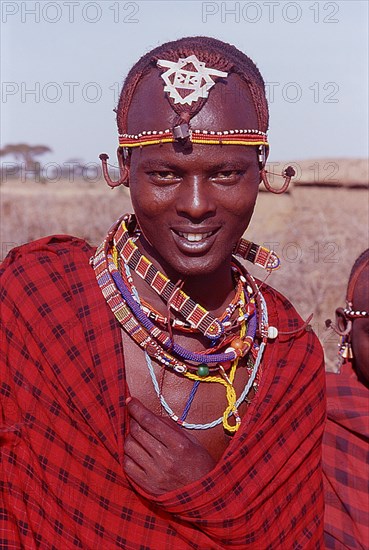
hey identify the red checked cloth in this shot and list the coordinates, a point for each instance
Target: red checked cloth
(346, 462)
(64, 419)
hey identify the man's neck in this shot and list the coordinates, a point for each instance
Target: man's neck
(212, 290)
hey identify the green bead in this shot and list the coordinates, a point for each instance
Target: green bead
(203, 370)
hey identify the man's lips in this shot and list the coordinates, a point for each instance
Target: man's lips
(194, 241)
(195, 236)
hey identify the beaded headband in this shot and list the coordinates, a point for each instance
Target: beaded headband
(352, 314)
(205, 137)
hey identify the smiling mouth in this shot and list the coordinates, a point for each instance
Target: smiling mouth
(195, 237)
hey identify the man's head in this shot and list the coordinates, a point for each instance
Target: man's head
(358, 301)
(193, 200)
(216, 55)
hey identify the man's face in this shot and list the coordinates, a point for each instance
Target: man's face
(193, 204)
(360, 328)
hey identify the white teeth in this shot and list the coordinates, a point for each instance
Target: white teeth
(194, 237)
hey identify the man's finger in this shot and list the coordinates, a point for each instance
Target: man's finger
(134, 470)
(145, 442)
(152, 424)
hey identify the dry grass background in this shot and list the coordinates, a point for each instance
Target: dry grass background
(317, 232)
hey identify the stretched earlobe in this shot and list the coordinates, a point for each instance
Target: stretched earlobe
(124, 171)
(342, 325)
(287, 174)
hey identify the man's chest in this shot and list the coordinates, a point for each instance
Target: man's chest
(198, 404)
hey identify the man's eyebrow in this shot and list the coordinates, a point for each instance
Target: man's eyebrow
(233, 164)
(161, 164)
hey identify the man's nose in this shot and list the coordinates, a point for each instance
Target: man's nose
(195, 199)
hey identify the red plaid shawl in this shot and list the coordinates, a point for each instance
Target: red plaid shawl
(345, 462)
(64, 420)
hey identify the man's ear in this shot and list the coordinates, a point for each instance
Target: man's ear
(123, 170)
(124, 159)
(287, 174)
(263, 153)
(343, 325)
(125, 181)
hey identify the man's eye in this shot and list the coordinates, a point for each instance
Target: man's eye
(228, 174)
(164, 175)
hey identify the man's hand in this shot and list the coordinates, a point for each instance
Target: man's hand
(159, 455)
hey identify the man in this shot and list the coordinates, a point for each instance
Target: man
(346, 437)
(199, 424)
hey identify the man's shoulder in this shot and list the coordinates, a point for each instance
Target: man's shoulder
(52, 261)
(51, 248)
(346, 395)
(277, 302)
(52, 244)
(292, 327)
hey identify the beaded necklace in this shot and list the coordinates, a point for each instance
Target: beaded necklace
(197, 316)
(233, 406)
(180, 325)
(244, 313)
(224, 379)
(205, 366)
(225, 317)
(230, 354)
(194, 313)
(185, 326)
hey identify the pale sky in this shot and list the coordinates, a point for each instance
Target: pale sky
(63, 63)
